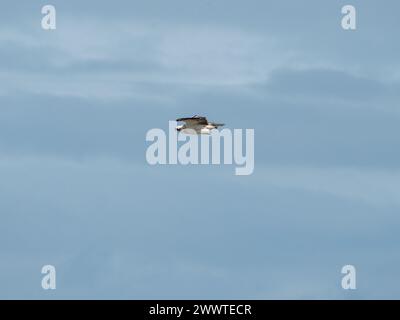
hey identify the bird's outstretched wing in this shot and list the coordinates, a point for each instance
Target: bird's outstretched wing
(195, 120)
(217, 124)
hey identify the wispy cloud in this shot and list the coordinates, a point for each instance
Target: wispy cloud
(373, 186)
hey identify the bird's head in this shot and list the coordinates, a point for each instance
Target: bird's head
(179, 128)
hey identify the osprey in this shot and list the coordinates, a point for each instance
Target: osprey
(197, 125)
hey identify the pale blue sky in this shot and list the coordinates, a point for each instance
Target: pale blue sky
(76, 191)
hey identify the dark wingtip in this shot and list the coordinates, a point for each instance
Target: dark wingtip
(193, 117)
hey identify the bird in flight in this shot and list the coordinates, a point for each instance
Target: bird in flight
(197, 125)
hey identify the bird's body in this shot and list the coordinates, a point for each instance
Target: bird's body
(197, 125)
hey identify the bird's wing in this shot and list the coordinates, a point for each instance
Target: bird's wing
(193, 121)
(217, 124)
